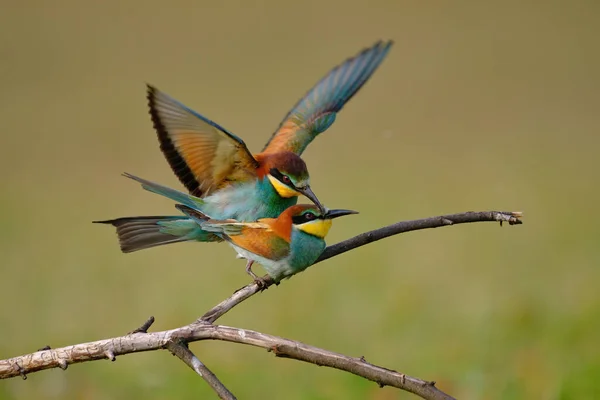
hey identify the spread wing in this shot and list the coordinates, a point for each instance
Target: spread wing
(203, 155)
(317, 110)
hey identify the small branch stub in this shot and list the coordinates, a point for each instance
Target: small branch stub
(20, 370)
(62, 364)
(513, 218)
(110, 355)
(145, 326)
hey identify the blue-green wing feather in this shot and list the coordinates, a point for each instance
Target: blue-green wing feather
(176, 195)
(317, 110)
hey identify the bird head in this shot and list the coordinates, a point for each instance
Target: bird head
(311, 220)
(289, 176)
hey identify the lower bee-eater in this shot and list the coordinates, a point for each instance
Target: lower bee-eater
(284, 246)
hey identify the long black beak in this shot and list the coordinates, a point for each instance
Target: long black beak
(331, 214)
(307, 191)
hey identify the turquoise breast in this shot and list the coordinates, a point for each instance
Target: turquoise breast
(247, 202)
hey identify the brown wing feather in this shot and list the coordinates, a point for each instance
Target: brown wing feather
(204, 156)
(261, 237)
(263, 242)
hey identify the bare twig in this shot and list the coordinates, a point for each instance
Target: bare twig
(203, 329)
(513, 218)
(240, 295)
(180, 349)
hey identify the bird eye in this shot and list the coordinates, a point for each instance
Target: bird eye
(286, 179)
(310, 216)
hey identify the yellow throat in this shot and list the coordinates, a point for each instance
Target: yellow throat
(283, 190)
(319, 227)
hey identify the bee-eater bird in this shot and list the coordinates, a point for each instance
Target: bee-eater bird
(284, 246)
(224, 178)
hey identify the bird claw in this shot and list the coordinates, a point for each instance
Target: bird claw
(261, 283)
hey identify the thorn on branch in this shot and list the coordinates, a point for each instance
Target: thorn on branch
(381, 385)
(145, 326)
(110, 355)
(63, 364)
(278, 352)
(20, 370)
(45, 348)
(363, 359)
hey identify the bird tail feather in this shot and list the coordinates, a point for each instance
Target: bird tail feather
(139, 233)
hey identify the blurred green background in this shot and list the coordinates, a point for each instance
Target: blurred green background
(477, 107)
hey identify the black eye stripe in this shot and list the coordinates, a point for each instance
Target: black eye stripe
(275, 172)
(300, 219)
(306, 217)
(280, 177)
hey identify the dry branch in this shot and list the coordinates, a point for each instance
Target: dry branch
(138, 342)
(176, 340)
(180, 349)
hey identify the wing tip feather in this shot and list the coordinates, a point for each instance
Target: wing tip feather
(374, 55)
(177, 163)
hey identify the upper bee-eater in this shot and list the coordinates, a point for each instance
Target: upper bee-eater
(284, 245)
(225, 179)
